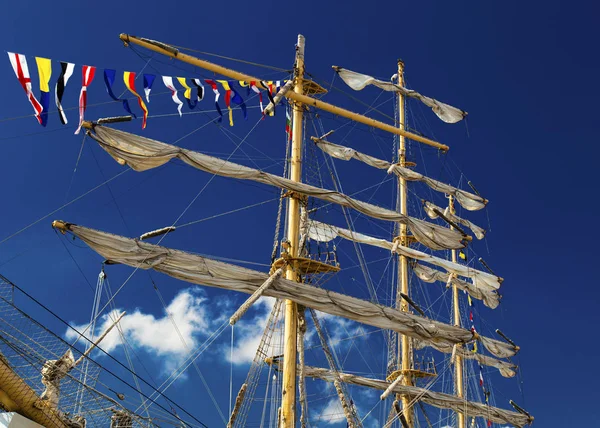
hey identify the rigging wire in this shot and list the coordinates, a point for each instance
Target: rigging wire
(228, 212)
(64, 206)
(76, 165)
(178, 331)
(234, 59)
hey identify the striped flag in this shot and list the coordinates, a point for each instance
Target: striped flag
(129, 79)
(168, 81)
(19, 65)
(187, 94)
(44, 66)
(87, 75)
(200, 88)
(66, 71)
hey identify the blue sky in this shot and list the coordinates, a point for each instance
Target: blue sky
(525, 72)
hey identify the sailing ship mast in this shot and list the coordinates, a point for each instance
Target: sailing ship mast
(458, 362)
(288, 402)
(404, 347)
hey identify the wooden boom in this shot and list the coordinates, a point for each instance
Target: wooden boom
(301, 98)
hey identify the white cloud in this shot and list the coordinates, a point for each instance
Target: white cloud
(157, 335)
(332, 413)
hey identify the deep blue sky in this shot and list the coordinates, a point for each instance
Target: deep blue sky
(525, 71)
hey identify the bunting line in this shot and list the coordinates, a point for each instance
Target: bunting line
(129, 79)
(87, 75)
(233, 95)
(66, 71)
(19, 65)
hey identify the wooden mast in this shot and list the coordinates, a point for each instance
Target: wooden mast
(288, 402)
(404, 351)
(458, 362)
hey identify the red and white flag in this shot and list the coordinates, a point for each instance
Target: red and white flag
(87, 75)
(168, 81)
(19, 65)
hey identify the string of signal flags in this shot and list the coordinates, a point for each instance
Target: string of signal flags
(193, 89)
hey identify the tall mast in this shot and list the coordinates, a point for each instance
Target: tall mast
(404, 347)
(458, 362)
(288, 405)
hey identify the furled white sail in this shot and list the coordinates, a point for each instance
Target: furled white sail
(433, 398)
(143, 153)
(506, 369)
(468, 201)
(358, 81)
(483, 281)
(431, 208)
(202, 270)
(487, 294)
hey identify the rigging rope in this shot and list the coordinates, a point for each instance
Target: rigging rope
(231, 374)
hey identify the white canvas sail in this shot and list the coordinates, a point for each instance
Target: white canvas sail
(142, 154)
(323, 232)
(202, 270)
(358, 81)
(431, 209)
(488, 295)
(467, 200)
(433, 398)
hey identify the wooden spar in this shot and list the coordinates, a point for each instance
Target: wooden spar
(255, 296)
(100, 339)
(288, 401)
(278, 96)
(404, 351)
(390, 388)
(293, 95)
(458, 362)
